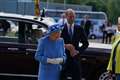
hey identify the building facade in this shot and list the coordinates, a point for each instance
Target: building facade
(26, 7)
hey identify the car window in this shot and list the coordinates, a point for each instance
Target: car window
(34, 32)
(25, 32)
(94, 22)
(8, 30)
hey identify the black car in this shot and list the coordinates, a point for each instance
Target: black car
(18, 46)
(18, 39)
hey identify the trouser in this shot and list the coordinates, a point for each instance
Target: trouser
(71, 69)
(104, 36)
(108, 37)
(87, 33)
(117, 76)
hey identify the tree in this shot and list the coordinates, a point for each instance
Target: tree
(113, 10)
(111, 7)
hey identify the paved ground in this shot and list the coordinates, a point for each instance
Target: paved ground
(95, 40)
(97, 43)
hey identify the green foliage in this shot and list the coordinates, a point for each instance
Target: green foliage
(111, 7)
(113, 10)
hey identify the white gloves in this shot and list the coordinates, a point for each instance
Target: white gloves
(55, 60)
(59, 60)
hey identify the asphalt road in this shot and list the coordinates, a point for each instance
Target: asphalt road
(95, 40)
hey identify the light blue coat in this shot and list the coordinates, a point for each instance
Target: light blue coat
(49, 49)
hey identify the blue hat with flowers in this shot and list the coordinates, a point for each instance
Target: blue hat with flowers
(54, 28)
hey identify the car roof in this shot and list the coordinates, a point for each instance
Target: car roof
(47, 21)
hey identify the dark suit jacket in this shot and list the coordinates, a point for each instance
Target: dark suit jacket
(87, 24)
(72, 66)
(79, 36)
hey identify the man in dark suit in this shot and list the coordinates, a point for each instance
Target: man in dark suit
(86, 24)
(73, 35)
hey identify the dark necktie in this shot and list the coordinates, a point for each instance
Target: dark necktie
(70, 32)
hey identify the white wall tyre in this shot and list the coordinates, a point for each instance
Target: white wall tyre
(105, 76)
(93, 36)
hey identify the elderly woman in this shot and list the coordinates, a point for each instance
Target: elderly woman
(50, 54)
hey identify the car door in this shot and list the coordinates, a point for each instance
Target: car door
(18, 45)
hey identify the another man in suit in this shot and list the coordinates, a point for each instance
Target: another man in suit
(86, 24)
(73, 35)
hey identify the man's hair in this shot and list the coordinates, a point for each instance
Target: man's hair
(69, 10)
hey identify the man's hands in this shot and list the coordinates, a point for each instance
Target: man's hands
(55, 60)
(72, 49)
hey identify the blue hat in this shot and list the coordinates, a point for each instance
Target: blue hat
(54, 28)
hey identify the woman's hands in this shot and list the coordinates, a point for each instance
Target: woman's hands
(55, 60)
